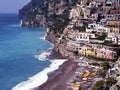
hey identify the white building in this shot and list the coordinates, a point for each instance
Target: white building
(110, 36)
(103, 29)
(91, 30)
(97, 28)
(114, 38)
(84, 37)
(93, 25)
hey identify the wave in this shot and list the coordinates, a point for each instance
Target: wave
(33, 82)
(43, 37)
(43, 56)
(40, 78)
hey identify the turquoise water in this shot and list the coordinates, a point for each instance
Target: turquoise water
(18, 46)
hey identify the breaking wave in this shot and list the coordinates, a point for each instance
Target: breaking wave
(39, 78)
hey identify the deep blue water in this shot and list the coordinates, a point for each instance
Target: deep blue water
(18, 45)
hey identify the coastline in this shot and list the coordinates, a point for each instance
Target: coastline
(58, 78)
(33, 82)
(75, 35)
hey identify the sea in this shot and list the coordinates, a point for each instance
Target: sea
(23, 52)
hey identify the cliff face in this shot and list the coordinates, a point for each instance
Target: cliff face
(46, 12)
(53, 14)
(60, 44)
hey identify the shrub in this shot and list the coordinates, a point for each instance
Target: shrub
(110, 81)
(102, 73)
(105, 65)
(98, 85)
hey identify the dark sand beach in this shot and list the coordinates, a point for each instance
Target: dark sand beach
(57, 79)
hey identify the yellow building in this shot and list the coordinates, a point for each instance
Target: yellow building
(91, 52)
(115, 30)
(87, 51)
(113, 23)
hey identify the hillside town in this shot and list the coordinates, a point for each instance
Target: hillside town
(94, 29)
(87, 32)
(93, 32)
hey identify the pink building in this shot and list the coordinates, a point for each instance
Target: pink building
(105, 53)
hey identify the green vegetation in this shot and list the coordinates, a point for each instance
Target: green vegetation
(98, 85)
(102, 37)
(104, 85)
(105, 65)
(80, 28)
(58, 26)
(60, 21)
(110, 81)
(102, 73)
(32, 15)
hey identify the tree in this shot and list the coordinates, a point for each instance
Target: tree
(110, 81)
(102, 37)
(105, 65)
(102, 73)
(98, 85)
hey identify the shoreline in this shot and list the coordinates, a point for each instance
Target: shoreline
(58, 78)
(32, 83)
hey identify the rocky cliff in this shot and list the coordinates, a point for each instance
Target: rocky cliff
(60, 44)
(46, 12)
(52, 14)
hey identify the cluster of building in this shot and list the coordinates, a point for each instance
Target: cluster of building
(99, 52)
(94, 31)
(94, 22)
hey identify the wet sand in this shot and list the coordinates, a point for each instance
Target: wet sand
(57, 79)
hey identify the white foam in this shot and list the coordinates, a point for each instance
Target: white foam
(43, 56)
(39, 78)
(42, 38)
